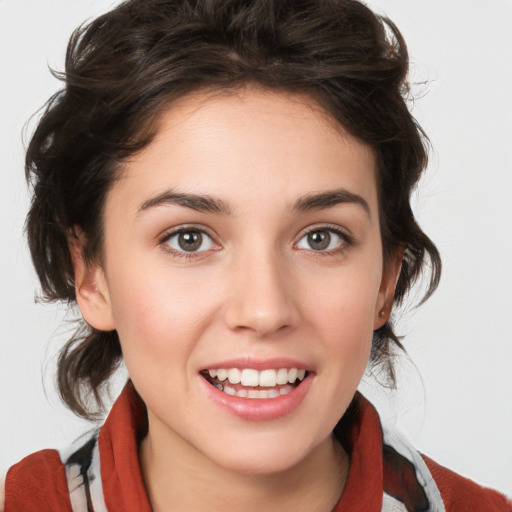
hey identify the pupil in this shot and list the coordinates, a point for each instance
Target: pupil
(190, 240)
(319, 240)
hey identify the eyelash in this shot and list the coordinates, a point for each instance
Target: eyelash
(346, 241)
(163, 241)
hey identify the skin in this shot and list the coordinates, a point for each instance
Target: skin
(255, 290)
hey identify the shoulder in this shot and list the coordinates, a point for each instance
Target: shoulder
(37, 482)
(460, 494)
(420, 483)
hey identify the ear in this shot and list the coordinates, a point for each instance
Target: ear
(91, 288)
(386, 295)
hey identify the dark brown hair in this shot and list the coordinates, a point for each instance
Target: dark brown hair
(125, 67)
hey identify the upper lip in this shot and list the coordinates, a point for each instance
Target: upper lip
(259, 364)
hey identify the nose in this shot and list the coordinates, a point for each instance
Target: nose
(261, 298)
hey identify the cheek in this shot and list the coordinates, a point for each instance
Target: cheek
(158, 312)
(341, 308)
(344, 301)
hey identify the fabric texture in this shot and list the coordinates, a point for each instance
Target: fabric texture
(103, 474)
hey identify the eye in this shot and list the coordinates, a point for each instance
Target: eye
(323, 240)
(189, 240)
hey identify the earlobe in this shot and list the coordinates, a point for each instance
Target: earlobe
(388, 284)
(91, 289)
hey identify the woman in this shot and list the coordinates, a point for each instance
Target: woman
(223, 188)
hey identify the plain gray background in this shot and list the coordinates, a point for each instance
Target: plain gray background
(459, 411)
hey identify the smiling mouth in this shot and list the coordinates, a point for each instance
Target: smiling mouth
(251, 383)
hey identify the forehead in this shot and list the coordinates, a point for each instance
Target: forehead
(250, 143)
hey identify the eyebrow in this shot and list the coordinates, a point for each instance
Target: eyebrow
(330, 198)
(205, 203)
(200, 203)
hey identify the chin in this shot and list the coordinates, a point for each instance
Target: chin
(260, 456)
(262, 466)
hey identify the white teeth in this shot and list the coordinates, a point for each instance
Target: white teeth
(249, 377)
(267, 378)
(273, 393)
(255, 393)
(282, 376)
(285, 390)
(234, 375)
(222, 374)
(292, 375)
(229, 391)
(259, 393)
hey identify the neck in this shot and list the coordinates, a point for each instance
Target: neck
(179, 479)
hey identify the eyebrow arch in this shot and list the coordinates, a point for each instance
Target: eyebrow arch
(330, 198)
(200, 203)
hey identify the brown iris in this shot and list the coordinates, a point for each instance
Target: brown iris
(190, 240)
(319, 240)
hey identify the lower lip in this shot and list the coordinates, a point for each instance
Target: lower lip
(260, 409)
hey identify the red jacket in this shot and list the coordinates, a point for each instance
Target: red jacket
(386, 474)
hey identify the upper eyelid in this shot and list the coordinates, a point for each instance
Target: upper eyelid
(169, 232)
(325, 227)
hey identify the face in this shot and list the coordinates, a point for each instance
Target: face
(243, 272)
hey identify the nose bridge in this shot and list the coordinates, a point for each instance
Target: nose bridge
(261, 299)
